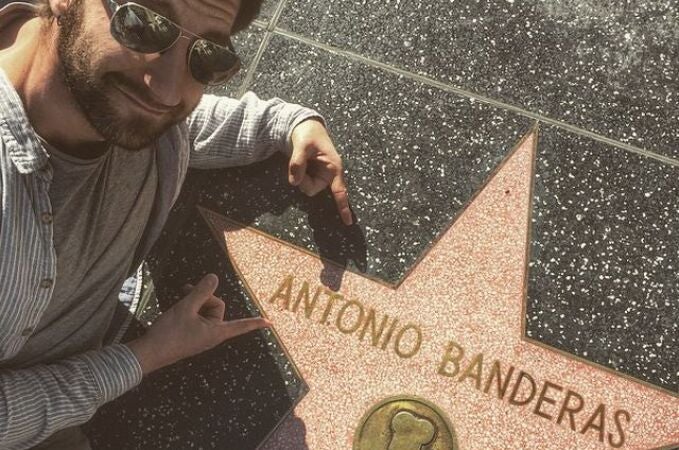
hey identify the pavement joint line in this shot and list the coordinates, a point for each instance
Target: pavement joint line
(252, 68)
(277, 14)
(477, 97)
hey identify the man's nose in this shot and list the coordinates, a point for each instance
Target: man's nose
(167, 73)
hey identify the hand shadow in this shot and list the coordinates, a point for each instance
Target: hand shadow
(290, 434)
(260, 195)
(234, 396)
(231, 396)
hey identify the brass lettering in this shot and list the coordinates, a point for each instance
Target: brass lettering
(618, 426)
(416, 347)
(474, 371)
(375, 335)
(496, 373)
(543, 398)
(522, 376)
(309, 305)
(390, 332)
(283, 292)
(332, 298)
(596, 422)
(451, 358)
(341, 314)
(565, 408)
(353, 316)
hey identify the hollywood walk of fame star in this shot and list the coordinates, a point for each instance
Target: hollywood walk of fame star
(450, 332)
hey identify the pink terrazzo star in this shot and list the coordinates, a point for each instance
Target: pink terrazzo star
(451, 332)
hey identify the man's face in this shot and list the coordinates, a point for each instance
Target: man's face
(105, 78)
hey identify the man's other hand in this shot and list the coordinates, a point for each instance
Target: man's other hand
(193, 325)
(315, 165)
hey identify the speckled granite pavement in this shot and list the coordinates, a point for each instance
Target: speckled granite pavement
(426, 100)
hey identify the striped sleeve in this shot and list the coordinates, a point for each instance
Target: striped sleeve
(36, 402)
(227, 132)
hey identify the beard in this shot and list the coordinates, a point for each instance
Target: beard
(125, 128)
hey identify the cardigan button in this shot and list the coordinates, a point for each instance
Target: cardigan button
(46, 283)
(27, 331)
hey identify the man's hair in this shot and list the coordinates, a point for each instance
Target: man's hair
(247, 12)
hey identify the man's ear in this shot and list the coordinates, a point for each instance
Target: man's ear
(59, 7)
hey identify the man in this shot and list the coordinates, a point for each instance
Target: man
(102, 111)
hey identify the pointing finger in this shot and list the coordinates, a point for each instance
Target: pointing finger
(339, 193)
(238, 327)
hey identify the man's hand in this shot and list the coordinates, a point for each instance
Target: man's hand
(315, 165)
(195, 324)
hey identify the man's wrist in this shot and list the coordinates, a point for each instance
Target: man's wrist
(297, 123)
(147, 356)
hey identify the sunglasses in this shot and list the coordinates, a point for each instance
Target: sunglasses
(143, 30)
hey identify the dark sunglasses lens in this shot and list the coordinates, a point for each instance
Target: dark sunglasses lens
(212, 64)
(142, 30)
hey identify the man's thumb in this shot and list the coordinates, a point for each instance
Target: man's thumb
(297, 166)
(202, 291)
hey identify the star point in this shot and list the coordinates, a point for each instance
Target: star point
(451, 332)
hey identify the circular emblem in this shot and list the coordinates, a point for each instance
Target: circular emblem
(405, 423)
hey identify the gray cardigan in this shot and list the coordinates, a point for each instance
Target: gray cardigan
(37, 401)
